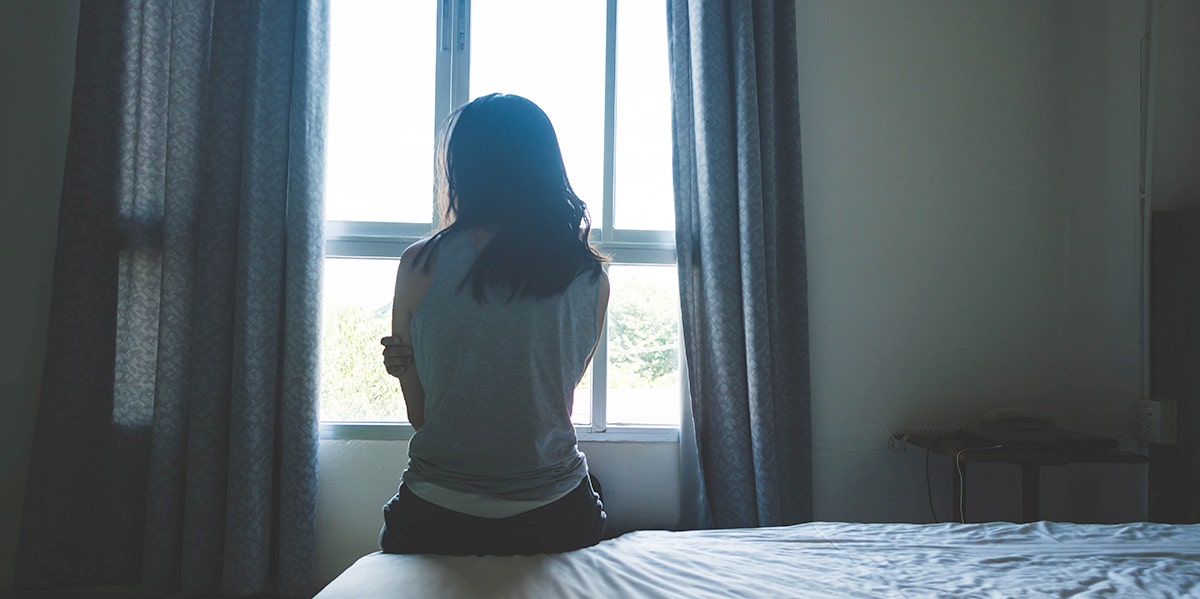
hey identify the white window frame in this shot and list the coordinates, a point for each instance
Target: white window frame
(388, 240)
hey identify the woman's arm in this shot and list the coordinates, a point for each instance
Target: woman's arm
(412, 283)
(601, 310)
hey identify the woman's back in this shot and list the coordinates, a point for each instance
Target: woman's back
(500, 333)
(499, 379)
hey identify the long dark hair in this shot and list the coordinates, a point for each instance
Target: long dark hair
(498, 165)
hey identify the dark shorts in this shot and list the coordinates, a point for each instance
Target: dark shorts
(413, 525)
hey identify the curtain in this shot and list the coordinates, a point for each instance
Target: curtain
(175, 447)
(740, 240)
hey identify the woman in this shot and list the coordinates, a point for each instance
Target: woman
(502, 309)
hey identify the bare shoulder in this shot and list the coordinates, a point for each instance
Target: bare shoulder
(604, 291)
(409, 259)
(417, 262)
(413, 278)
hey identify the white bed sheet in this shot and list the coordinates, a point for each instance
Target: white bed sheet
(819, 559)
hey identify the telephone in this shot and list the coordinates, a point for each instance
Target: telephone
(1001, 421)
(1015, 420)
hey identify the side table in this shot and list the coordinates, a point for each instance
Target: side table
(1030, 459)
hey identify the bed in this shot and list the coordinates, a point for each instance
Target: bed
(818, 559)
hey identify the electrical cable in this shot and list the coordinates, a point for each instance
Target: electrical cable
(962, 487)
(929, 489)
(962, 480)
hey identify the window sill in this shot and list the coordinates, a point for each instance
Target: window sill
(401, 431)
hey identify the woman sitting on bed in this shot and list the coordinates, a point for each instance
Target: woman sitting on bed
(495, 319)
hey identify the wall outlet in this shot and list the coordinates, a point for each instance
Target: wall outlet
(1155, 421)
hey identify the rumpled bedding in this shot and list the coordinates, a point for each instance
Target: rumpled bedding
(818, 559)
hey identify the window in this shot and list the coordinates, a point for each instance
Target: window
(600, 72)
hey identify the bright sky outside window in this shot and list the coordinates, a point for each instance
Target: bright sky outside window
(379, 164)
(644, 190)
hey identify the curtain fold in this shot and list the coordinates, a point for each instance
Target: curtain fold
(742, 263)
(176, 440)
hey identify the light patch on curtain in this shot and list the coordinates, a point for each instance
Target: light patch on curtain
(138, 287)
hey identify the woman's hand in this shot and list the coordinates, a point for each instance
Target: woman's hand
(397, 358)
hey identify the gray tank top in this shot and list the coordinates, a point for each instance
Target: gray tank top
(499, 382)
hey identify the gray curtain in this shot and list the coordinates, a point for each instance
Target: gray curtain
(740, 238)
(176, 439)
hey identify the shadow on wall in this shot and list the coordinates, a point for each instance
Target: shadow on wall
(1175, 362)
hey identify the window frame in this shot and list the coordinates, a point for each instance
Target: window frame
(388, 240)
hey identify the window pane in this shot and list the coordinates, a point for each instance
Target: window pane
(551, 52)
(643, 192)
(379, 153)
(643, 345)
(356, 310)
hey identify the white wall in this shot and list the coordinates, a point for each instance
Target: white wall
(1103, 310)
(1103, 212)
(1176, 146)
(37, 60)
(971, 237)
